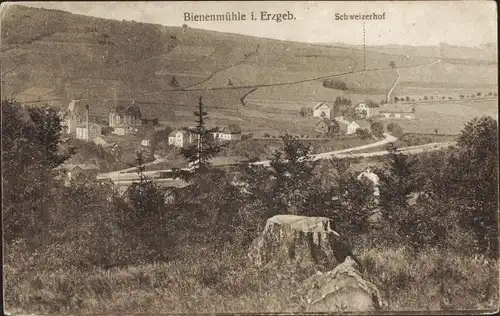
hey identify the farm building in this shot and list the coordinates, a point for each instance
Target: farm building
(231, 132)
(323, 126)
(343, 124)
(366, 110)
(358, 124)
(322, 110)
(398, 111)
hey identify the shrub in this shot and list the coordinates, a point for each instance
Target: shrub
(334, 83)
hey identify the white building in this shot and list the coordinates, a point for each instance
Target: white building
(88, 133)
(355, 125)
(231, 132)
(322, 110)
(365, 110)
(180, 138)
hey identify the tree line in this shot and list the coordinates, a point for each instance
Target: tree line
(443, 199)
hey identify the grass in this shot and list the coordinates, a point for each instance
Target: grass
(225, 283)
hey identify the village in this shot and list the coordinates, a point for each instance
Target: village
(128, 130)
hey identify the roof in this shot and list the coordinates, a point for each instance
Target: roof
(124, 108)
(343, 125)
(362, 123)
(368, 104)
(231, 129)
(397, 108)
(320, 104)
(100, 141)
(176, 131)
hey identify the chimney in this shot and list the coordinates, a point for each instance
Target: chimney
(87, 125)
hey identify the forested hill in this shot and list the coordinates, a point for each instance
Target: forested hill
(52, 54)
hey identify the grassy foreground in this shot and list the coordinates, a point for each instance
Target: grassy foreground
(220, 282)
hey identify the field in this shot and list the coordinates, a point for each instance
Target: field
(447, 118)
(447, 79)
(77, 57)
(432, 280)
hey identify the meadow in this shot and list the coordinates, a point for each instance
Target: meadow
(224, 282)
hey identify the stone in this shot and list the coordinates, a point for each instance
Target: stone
(342, 289)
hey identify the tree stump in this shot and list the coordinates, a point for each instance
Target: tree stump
(302, 240)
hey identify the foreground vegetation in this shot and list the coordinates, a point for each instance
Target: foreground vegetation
(83, 248)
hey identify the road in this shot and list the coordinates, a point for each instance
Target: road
(387, 139)
(126, 177)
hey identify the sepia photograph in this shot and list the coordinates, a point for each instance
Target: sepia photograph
(229, 157)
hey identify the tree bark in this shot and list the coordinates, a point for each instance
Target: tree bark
(302, 240)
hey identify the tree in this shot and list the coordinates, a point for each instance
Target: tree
(407, 99)
(199, 154)
(377, 129)
(341, 106)
(30, 153)
(362, 133)
(396, 181)
(334, 128)
(392, 64)
(334, 83)
(174, 83)
(396, 99)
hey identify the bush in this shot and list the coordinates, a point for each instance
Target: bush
(334, 83)
(362, 133)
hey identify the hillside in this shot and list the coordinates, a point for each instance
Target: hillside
(53, 56)
(74, 56)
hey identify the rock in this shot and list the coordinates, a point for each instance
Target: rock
(342, 289)
(299, 240)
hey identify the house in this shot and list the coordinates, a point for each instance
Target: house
(322, 110)
(343, 124)
(324, 126)
(398, 111)
(358, 124)
(102, 142)
(179, 138)
(366, 110)
(79, 171)
(125, 118)
(231, 132)
(89, 132)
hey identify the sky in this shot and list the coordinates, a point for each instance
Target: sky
(417, 23)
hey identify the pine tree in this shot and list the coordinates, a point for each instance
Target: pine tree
(203, 149)
(174, 83)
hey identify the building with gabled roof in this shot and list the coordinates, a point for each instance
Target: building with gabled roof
(231, 132)
(366, 110)
(322, 110)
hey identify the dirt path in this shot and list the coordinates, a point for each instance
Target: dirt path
(393, 86)
(399, 75)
